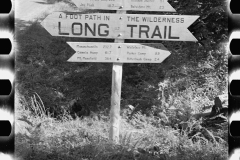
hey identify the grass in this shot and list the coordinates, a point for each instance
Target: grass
(42, 137)
(39, 136)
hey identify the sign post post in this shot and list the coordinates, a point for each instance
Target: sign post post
(116, 96)
(115, 102)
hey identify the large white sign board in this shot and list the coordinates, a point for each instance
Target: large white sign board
(117, 26)
(118, 52)
(136, 5)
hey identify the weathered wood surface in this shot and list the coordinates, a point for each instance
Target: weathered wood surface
(118, 52)
(135, 5)
(117, 26)
(116, 96)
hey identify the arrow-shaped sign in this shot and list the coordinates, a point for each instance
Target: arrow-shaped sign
(117, 26)
(136, 5)
(118, 52)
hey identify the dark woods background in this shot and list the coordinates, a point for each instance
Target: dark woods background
(188, 79)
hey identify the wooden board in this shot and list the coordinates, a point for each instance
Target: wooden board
(118, 52)
(127, 26)
(135, 5)
(158, 27)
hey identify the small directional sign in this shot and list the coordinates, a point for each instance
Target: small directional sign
(117, 26)
(118, 52)
(136, 5)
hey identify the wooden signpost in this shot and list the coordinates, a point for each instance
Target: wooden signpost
(120, 26)
(136, 5)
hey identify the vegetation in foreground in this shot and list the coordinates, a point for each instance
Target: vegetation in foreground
(39, 136)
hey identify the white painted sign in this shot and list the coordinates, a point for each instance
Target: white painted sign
(117, 26)
(136, 5)
(118, 52)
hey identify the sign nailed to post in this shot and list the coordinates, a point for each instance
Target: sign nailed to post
(136, 5)
(118, 52)
(117, 26)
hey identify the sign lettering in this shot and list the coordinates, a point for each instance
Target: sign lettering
(118, 52)
(137, 5)
(127, 26)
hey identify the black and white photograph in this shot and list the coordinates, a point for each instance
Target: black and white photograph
(121, 79)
